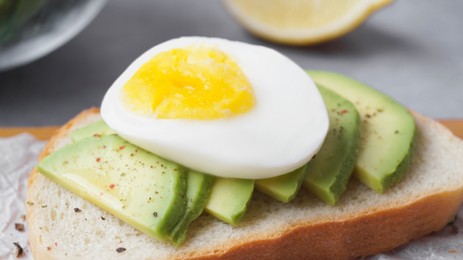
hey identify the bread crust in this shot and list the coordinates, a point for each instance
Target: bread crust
(346, 238)
(38, 252)
(373, 233)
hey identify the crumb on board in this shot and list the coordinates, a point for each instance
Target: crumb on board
(19, 227)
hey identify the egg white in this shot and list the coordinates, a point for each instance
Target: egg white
(282, 132)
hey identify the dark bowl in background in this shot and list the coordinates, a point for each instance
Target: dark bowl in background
(30, 29)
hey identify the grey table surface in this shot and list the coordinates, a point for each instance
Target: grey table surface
(412, 50)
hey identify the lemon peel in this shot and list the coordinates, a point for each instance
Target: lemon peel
(302, 22)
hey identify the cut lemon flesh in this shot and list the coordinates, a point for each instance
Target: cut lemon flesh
(302, 22)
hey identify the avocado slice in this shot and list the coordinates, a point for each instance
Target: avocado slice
(97, 128)
(329, 172)
(387, 131)
(138, 187)
(229, 199)
(199, 187)
(284, 187)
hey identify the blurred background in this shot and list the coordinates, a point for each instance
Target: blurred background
(411, 50)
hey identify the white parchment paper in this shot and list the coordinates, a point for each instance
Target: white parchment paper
(18, 155)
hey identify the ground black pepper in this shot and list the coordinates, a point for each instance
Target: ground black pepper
(19, 227)
(454, 230)
(19, 249)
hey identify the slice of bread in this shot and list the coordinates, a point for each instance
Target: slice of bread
(62, 225)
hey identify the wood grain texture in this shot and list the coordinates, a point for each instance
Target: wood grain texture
(41, 133)
(456, 126)
(44, 133)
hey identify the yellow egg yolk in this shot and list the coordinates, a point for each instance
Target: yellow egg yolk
(195, 82)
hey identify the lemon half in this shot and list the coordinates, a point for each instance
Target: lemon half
(302, 22)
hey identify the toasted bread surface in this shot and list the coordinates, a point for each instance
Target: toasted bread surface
(362, 223)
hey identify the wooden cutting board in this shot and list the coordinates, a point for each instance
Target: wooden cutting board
(43, 133)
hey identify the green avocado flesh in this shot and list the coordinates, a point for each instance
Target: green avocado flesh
(138, 187)
(98, 128)
(199, 187)
(329, 172)
(229, 199)
(387, 130)
(284, 187)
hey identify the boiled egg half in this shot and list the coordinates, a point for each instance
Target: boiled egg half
(221, 107)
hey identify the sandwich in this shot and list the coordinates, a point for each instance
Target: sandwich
(223, 168)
